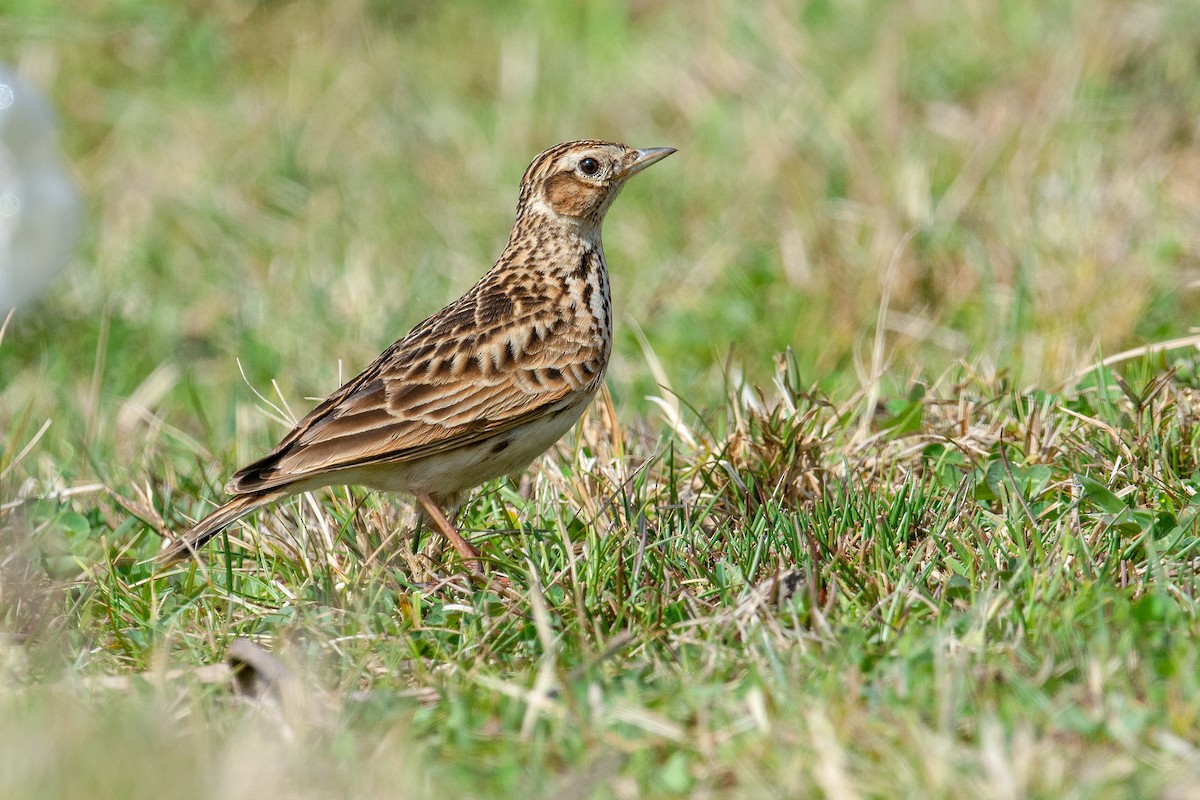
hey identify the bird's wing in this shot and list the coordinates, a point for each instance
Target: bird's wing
(472, 371)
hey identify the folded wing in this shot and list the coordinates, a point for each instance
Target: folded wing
(449, 383)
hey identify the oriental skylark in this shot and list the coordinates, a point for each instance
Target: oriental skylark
(482, 387)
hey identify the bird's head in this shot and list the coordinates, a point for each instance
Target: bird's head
(576, 182)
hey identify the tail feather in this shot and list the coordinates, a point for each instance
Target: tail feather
(189, 543)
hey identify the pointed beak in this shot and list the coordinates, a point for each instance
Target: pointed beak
(645, 158)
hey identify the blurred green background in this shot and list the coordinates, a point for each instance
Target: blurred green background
(290, 186)
(278, 190)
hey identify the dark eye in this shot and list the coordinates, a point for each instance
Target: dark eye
(589, 166)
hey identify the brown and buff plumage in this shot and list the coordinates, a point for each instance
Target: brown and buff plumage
(483, 386)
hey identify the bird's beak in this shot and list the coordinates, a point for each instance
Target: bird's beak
(645, 158)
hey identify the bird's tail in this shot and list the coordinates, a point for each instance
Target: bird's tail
(189, 543)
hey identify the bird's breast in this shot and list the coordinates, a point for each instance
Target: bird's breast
(588, 290)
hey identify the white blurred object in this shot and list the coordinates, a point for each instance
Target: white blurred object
(39, 206)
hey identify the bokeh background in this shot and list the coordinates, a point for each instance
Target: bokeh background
(996, 193)
(290, 186)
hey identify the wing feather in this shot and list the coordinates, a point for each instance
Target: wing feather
(447, 384)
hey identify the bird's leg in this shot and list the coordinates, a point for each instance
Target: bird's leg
(468, 551)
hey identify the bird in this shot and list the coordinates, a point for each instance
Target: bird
(482, 387)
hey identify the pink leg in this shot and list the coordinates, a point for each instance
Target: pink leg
(468, 551)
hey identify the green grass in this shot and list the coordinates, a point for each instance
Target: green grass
(940, 553)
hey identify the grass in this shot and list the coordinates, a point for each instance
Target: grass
(944, 551)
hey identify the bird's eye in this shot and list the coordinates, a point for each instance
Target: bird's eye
(589, 166)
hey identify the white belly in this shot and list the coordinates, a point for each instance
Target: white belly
(504, 454)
